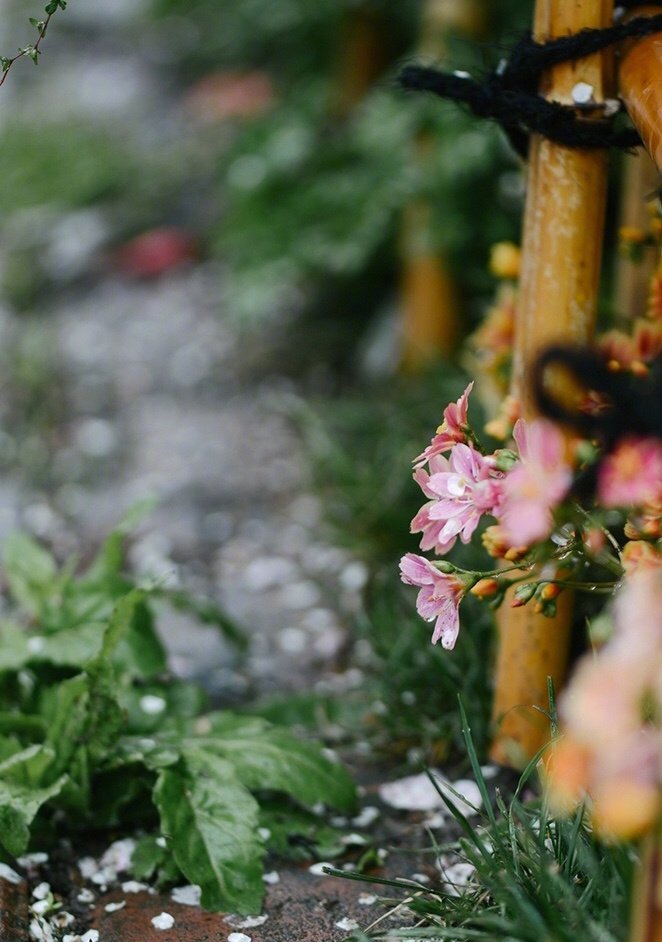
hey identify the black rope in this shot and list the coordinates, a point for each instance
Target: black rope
(509, 94)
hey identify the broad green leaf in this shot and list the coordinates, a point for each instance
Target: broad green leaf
(271, 757)
(210, 822)
(118, 626)
(18, 807)
(147, 857)
(31, 571)
(28, 766)
(14, 651)
(141, 653)
(66, 710)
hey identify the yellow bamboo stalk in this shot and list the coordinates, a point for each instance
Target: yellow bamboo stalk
(640, 180)
(562, 249)
(361, 60)
(640, 82)
(430, 313)
(646, 914)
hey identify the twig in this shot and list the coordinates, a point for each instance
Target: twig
(32, 49)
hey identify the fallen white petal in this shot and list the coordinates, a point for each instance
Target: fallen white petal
(366, 817)
(163, 921)
(10, 875)
(87, 866)
(85, 896)
(118, 855)
(367, 899)
(239, 937)
(41, 906)
(318, 868)
(458, 877)
(92, 935)
(32, 860)
(271, 877)
(114, 907)
(246, 922)
(186, 895)
(132, 886)
(347, 924)
(41, 891)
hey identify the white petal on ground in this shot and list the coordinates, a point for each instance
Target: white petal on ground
(366, 817)
(87, 866)
(347, 924)
(41, 906)
(118, 855)
(186, 895)
(85, 896)
(114, 907)
(458, 877)
(6, 873)
(41, 891)
(163, 921)
(271, 877)
(246, 922)
(239, 937)
(32, 860)
(417, 793)
(62, 919)
(367, 899)
(318, 868)
(132, 886)
(40, 931)
(92, 935)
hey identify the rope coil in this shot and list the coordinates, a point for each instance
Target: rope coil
(509, 94)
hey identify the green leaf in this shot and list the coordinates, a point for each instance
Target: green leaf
(31, 572)
(18, 807)
(271, 757)
(28, 766)
(118, 626)
(141, 652)
(147, 857)
(210, 822)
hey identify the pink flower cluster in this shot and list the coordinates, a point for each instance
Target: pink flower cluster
(466, 485)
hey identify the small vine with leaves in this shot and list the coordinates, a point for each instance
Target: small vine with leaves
(32, 50)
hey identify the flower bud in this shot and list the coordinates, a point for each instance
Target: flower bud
(505, 260)
(550, 591)
(443, 565)
(594, 540)
(485, 588)
(523, 593)
(504, 459)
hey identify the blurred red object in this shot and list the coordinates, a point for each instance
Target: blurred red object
(155, 252)
(226, 95)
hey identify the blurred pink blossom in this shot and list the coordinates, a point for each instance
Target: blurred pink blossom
(536, 484)
(632, 474)
(438, 599)
(451, 431)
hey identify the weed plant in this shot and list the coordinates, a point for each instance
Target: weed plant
(535, 877)
(96, 734)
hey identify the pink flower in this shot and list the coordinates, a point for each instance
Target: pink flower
(536, 484)
(632, 474)
(451, 431)
(439, 597)
(461, 489)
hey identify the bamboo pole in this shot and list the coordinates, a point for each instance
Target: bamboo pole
(640, 82)
(646, 913)
(640, 180)
(361, 60)
(562, 249)
(430, 318)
